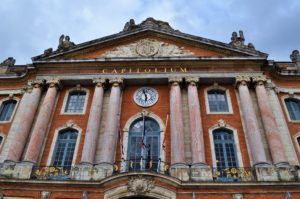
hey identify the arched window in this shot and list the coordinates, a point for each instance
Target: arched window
(225, 149)
(6, 110)
(64, 148)
(293, 107)
(217, 101)
(75, 102)
(143, 144)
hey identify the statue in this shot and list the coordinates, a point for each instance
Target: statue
(295, 57)
(48, 51)
(8, 62)
(65, 43)
(130, 25)
(238, 41)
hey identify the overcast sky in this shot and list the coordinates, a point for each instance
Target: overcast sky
(28, 27)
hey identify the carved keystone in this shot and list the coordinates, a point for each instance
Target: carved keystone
(140, 185)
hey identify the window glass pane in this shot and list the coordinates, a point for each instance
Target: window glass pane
(75, 102)
(1, 140)
(293, 107)
(149, 152)
(298, 140)
(217, 101)
(7, 109)
(225, 150)
(64, 148)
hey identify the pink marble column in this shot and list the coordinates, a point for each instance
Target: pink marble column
(269, 123)
(42, 122)
(108, 144)
(93, 126)
(198, 152)
(21, 126)
(251, 124)
(176, 121)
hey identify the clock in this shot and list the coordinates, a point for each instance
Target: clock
(145, 96)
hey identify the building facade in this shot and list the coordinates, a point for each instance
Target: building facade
(150, 112)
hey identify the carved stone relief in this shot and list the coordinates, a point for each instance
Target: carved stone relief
(148, 48)
(140, 185)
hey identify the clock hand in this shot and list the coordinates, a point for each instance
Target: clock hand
(146, 98)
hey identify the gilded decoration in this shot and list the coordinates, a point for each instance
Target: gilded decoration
(148, 48)
(140, 185)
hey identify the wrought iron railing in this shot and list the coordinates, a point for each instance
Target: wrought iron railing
(233, 174)
(142, 165)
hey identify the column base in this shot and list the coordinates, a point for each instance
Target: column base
(180, 171)
(102, 171)
(82, 172)
(7, 169)
(265, 172)
(201, 172)
(284, 172)
(23, 170)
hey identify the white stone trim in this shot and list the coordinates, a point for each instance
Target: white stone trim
(236, 141)
(69, 124)
(218, 87)
(162, 132)
(295, 137)
(122, 191)
(293, 96)
(62, 111)
(16, 107)
(3, 140)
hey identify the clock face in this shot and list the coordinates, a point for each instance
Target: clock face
(145, 96)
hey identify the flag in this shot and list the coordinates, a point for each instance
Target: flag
(164, 140)
(121, 142)
(143, 135)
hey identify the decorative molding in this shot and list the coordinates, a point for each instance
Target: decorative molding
(174, 81)
(242, 80)
(259, 79)
(148, 48)
(99, 82)
(237, 196)
(54, 83)
(140, 185)
(192, 80)
(45, 194)
(222, 123)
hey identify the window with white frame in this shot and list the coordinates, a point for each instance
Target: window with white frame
(217, 100)
(293, 108)
(64, 148)
(75, 102)
(6, 110)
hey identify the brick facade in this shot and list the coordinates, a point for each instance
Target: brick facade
(153, 56)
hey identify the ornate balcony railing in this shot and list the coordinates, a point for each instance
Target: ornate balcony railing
(233, 174)
(51, 173)
(142, 165)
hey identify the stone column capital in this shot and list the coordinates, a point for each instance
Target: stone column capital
(192, 80)
(36, 83)
(259, 80)
(54, 83)
(99, 82)
(116, 82)
(242, 80)
(174, 81)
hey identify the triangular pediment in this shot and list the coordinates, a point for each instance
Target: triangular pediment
(151, 38)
